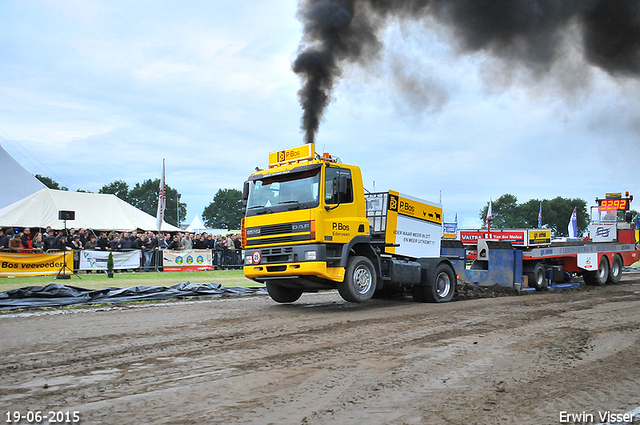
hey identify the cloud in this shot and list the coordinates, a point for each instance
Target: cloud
(102, 91)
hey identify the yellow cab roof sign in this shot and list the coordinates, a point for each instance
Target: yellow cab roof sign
(300, 153)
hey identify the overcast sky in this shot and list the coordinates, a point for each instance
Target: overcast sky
(97, 91)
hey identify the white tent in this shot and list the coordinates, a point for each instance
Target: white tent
(197, 226)
(95, 211)
(16, 182)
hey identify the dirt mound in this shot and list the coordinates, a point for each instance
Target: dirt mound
(468, 291)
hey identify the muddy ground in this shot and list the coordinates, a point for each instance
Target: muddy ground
(507, 360)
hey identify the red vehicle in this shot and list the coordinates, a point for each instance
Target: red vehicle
(599, 258)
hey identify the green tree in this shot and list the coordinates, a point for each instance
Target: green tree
(118, 188)
(505, 211)
(225, 212)
(144, 196)
(556, 213)
(49, 182)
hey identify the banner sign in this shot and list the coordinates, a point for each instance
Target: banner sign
(46, 264)
(517, 237)
(97, 260)
(450, 230)
(603, 231)
(187, 260)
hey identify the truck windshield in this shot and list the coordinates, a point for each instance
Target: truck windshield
(284, 192)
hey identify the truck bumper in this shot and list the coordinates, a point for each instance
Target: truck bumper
(318, 269)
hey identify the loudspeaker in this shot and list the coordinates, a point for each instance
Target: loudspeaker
(66, 215)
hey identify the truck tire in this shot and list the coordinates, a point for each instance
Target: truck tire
(440, 290)
(598, 277)
(537, 278)
(283, 294)
(359, 282)
(615, 272)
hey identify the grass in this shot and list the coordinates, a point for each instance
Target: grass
(122, 280)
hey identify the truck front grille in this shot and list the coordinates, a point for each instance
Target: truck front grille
(279, 240)
(279, 233)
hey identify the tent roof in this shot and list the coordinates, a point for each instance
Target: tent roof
(197, 226)
(95, 211)
(16, 181)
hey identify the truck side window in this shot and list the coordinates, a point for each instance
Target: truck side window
(331, 183)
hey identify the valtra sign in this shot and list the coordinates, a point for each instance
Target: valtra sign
(517, 237)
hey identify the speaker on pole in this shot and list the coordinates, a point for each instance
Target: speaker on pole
(66, 215)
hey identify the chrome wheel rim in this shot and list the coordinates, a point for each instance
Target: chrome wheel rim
(443, 285)
(362, 279)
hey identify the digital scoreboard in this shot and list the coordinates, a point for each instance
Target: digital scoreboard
(619, 204)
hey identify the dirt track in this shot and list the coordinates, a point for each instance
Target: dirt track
(512, 360)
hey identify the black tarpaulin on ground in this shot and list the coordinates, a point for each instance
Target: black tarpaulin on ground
(57, 295)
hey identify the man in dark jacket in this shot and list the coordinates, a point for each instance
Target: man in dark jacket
(103, 242)
(4, 240)
(125, 242)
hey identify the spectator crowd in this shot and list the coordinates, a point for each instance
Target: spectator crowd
(226, 249)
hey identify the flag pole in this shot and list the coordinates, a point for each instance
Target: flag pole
(162, 199)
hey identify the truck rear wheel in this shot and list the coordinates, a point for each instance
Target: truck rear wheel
(598, 277)
(440, 290)
(283, 294)
(537, 278)
(615, 272)
(359, 282)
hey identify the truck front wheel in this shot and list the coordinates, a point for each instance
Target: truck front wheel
(283, 294)
(359, 282)
(440, 290)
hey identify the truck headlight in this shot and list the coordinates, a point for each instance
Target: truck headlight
(310, 255)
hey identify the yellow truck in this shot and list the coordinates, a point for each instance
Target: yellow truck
(309, 226)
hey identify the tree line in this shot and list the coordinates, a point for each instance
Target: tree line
(224, 211)
(556, 213)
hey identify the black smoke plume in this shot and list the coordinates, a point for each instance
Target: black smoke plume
(341, 32)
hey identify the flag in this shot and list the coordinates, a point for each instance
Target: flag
(540, 217)
(573, 225)
(489, 213)
(162, 200)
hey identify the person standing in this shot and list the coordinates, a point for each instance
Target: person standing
(4, 240)
(114, 244)
(38, 244)
(187, 243)
(149, 246)
(15, 244)
(103, 242)
(175, 244)
(91, 243)
(26, 239)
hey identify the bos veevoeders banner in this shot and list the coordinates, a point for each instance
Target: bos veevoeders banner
(15, 264)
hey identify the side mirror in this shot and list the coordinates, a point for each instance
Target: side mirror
(245, 191)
